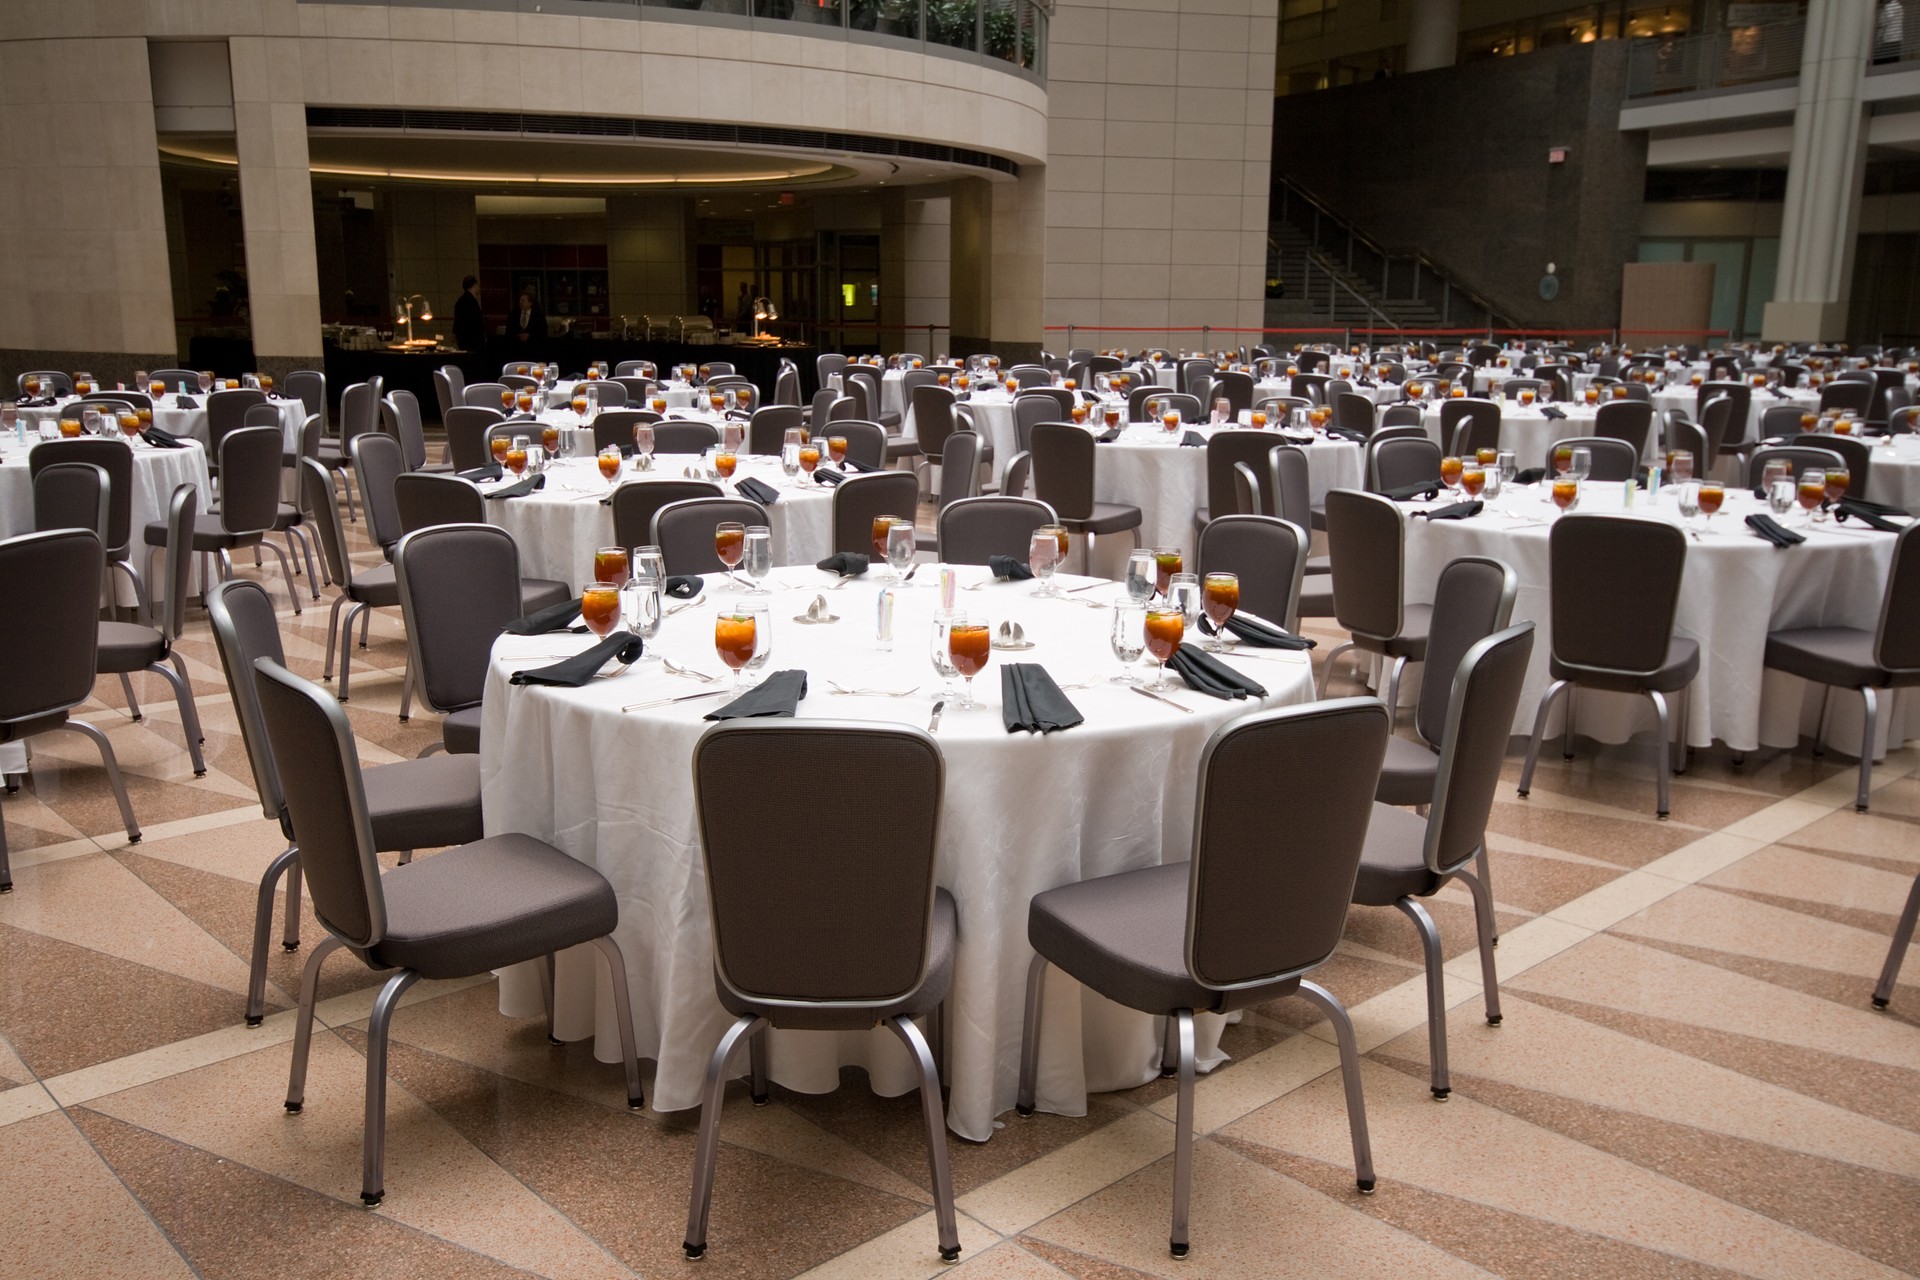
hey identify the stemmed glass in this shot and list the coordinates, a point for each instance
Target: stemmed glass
(735, 637)
(205, 378)
(1838, 479)
(1780, 494)
(1710, 497)
(1183, 593)
(1141, 576)
(1582, 466)
(640, 608)
(1166, 563)
(729, 543)
(1164, 629)
(1129, 639)
(516, 458)
(1680, 466)
(609, 463)
(611, 565)
(1043, 556)
(650, 562)
(1813, 491)
(600, 607)
(761, 612)
(1220, 597)
(643, 442)
(938, 651)
(969, 645)
(1450, 471)
(901, 545)
(757, 559)
(1689, 502)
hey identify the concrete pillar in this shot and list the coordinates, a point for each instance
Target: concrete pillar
(276, 202)
(995, 272)
(1433, 34)
(1825, 173)
(432, 244)
(649, 271)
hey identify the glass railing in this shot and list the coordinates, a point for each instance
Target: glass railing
(1715, 59)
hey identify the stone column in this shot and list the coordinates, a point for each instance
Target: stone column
(276, 202)
(995, 270)
(648, 268)
(1825, 173)
(1433, 34)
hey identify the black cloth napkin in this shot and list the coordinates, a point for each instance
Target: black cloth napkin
(1202, 672)
(684, 586)
(1773, 531)
(180, 401)
(1008, 569)
(1532, 475)
(1031, 701)
(1193, 439)
(759, 490)
(520, 490)
(1547, 410)
(572, 673)
(1258, 633)
(861, 468)
(1866, 515)
(1863, 506)
(1778, 394)
(492, 471)
(1408, 492)
(1454, 510)
(1346, 433)
(827, 475)
(161, 439)
(1109, 435)
(778, 695)
(558, 617)
(848, 564)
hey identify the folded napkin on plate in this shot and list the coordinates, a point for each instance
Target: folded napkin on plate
(559, 617)
(160, 439)
(520, 490)
(759, 490)
(1532, 475)
(180, 401)
(1549, 411)
(1193, 439)
(1867, 513)
(1109, 435)
(492, 471)
(848, 564)
(827, 475)
(572, 673)
(685, 586)
(1773, 531)
(1454, 510)
(1202, 672)
(1008, 569)
(778, 695)
(1409, 492)
(1259, 633)
(1030, 700)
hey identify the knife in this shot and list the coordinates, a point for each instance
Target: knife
(689, 697)
(933, 725)
(1145, 692)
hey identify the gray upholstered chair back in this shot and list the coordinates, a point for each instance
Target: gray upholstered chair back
(1031, 375)
(1738, 392)
(377, 463)
(637, 502)
(404, 412)
(932, 418)
(607, 393)
(227, 413)
(1393, 462)
(1063, 463)
(1628, 421)
(360, 408)
(1780, 420)
(245, 629)
(959, 467)
(1473, 599)
(261, 415)
(311, 386)
(1595, 563)
(423, 499)
(182, 508)
(1139, 406)
(683, 437)
(866, 441)
(1800, 457)
(801, 915)
(1013, 483)
(443, 393)
(684, 531)
(1269, 556)
(467, 434)
(973, 529)
(459, 585)
(1896, 640)
(482, 395)
(1191, 371)
(636, 368)
(51, 582)
(1354, 412)
(1856, 452)
(1290, 481)
(1365, 550)
(1060, 398)
(614, 427)
(1613, 460)
(320, 500)
(115, 457)
(518, 381)
(1029, 411)
(1224, 448)
(823, 401)
(1481, 419)
(767, 429)
(250, 479)
(1270, 880)
(1482, 694)
(858, 499)
(828, 363)
(52, 381)
(1237, 388)
(1843, 393)
(637, 391)
(72, 495)
(786, 385)
(1401, 415)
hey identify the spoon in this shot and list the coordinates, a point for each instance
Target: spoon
(675, 668)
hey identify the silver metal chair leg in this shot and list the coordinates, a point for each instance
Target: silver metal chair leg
(346, 646)
(1030, 1035)
(373, 1140)
(366, 624)
(1869, 732)
(1539, 732)
(934, 1114)
(1483, 867)
(708, 1149)
(286, 571)
(114, 779)
(290, 935)
(406, 696)
(1661, 750)
(263, 932)
(1350, 1077)
(1439, 1081)
(1483, 920)
(303, 1023)
(937, 1037)
(1902, 939)
(623, 1018)
(757, 1068)
(176, 675)
(1326, 668)
(133, 703)
(1182, 1134)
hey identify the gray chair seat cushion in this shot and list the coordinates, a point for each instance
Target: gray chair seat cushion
(542, 593)
(1407, 775)
(460, 731)
(888, 419)
(1831, 655)
(1677, 672)
(492, 903)
(207, 534)
(1107, 517)
(898, 448)
(21, 730)
(287, 517)
(1316, 601)
(1125, 936)
(425, 803)
(824, 1017)
(376, 587)
(127, 647)
(1393, 866)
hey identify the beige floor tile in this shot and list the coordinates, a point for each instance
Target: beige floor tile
(1017, 1200)
(1783, 872)
(1741, 926)
(64, 1213)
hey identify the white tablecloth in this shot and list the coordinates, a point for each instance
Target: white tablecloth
(1895, 475)
(992, 413)
(1686, 399)
(559, 527)
(1023, 814)
(1528, 431)
(1736, 587)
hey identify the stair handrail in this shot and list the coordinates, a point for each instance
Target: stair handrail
(1315, 258)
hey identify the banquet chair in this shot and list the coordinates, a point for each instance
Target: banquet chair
(1409, 857)
(959, 480)
(826, 364)
(1393, 462)
(53, 582)
(467, 427)
(679, 436)
(481, 906)
(1354, 412)
(1064, 462)
(485, 395)
(112, 405)
(1595, 562)
(1896, 952)
(767, 428)
(1013, 484)
(1739, 392)
(1888, 657)
(1633, 392)
(1856, 452)
(135, 399)
(249, 506)
(1469, 425)
(359, 413)
(1311, 385)
(1853, 397)
(866, 441)
(1613, 460)
(1903, 421)
(1512, 387)
(1261, 905)
(1897, 399)
(1458, 372)
(1402, 415)
(612, 428)
(1031, 375)
(1798, 456)
(261, 415)
(858, 500)
(786, 384)
(179, 379)
(863, 385)
(456, 380)
(1290, 481)
(1780, 420)
(683, 531)
(115, 457)
(604, 393)
(127, 647)
(458, 585)
(227, 413)
(365, 589)
(1628, 421)
(443, 393)
(636, 368)
(1269, 555)
(72, 495)
(424, 500)
(1225, 448)
(1791, 375)
(1311, 360)
(1062, 399)
(821, 404)
(412, 804)
(635, 504)
(934, 419)
(973, 529)
(401, 412)
(1029, 411)
(517, 368)
(1429, 385)
(831, 935)
(377, 463)
(1366, 545)
(1138, 398)
(634, 391)
(60, 383)
(1237, 388)
(1725, 421)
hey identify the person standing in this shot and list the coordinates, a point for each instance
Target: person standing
(528, 321)
(469, 325)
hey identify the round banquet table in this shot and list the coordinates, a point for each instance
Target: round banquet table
(188, 420)
(1528, 431)
(561, 525)
(1022, 813)
(1736, 588)
(992, 414)
(1895, 476)
(1686, 399)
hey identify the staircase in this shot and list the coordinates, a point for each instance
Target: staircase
(1319, 291)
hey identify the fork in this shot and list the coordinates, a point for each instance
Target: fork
(873, 693)
(675, 668)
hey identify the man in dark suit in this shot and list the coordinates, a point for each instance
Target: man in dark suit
(527, 321)
(469, 326)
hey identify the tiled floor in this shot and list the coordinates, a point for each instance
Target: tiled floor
(1688, 1082)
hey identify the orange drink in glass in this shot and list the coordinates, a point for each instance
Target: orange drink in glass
(734, 640)
(498, 447)
(610, 564)
(1473, 480)
(516, 458)
(600, 607)
(1166, 563)
(809, 457)
(729, 542)
(837, 449)
(1566, 492)
(550, 439)
(608, 460)
(1165, 628)
(724, 462)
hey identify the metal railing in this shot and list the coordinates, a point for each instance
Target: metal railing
(1715, 59)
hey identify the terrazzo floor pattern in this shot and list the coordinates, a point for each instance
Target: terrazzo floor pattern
(1688, 1082)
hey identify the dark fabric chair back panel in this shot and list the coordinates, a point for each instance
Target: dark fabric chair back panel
(684, 531)
(1354, 412)
(360, 408)
(1401, 415)
(115, 457)
(1290, 480)
(423, 500)
(1896, 644)
(467, 427)
(72, 495)
(1854, 397)
(262, 415)
(1271, 876)
(636, 368)
(407, 428)
(1856, 453)
(800, 913)
(1364, 549)
(1680, 434)
(1482, 695)
(932, 418)
(326, 807)
(1063, 462)
(1483, 431)
(1628, 421)
(1237, 387)
(320, 499)
(1031, 375)
(768, 428)
(1309, 361)
(1738, 392)
(959, 467)
(607, 393)
(823, 401)
(1799, 457)
(1060, 398)
(827, 364)
(683, 437)
(865, 402)
(227, 413)
(518, 381)
(974, 529)
(1224, 448)
(1143, 408)
(456, 379)
(250, 479)
(443, 393)
(635, 390)
(459, 585)
(51, 628)
(614, 428)
(637, 502)
(786, 386)
(182, 508)
(244, 629)
(1473, 599)
(1269, 556)
(1613, 460)
(1029, 411)
(866, 441)
(1780, 420)
(858, 499)
(1393, 463)
(181, 379)
(1192, 372)
(1596, 563)
(1014, 483)
(482, 395)
(377, 463)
